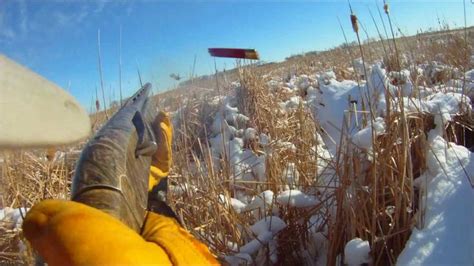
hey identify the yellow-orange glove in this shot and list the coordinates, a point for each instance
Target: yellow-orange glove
(161, 161)
(71, 233)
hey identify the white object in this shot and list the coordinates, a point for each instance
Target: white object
(34, 112)
(296, 198)
(447, 236)
(356, 252)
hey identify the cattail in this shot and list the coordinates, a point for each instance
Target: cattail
(355, 24)
(97, 105)
(50, 154)
(386, 8)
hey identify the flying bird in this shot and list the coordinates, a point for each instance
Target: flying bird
(175, 76)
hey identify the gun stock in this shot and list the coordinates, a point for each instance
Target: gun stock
(112, 172)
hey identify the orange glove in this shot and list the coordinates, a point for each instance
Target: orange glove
(161, 161)
(71, 233)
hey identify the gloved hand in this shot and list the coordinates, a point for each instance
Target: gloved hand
(71, 233)
(161, 161)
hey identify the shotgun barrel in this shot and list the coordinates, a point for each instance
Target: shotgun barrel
(112, 172)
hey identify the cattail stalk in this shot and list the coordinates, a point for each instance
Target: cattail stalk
(120, 66)
(373, 222)
(100, 74)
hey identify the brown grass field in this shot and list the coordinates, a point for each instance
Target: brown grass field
(30, 176)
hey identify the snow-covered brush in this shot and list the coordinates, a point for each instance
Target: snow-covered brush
(226, 172)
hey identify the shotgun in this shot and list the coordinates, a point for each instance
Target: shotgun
(112, 172)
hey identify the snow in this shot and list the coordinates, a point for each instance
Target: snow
(292, 103)
(262, 201)
(363, 138)
(291, 175)
(285, 146)
(445, 104)
(232, 115)
(404, 81)
(250, 134)
(256, 163)
(378, 82)
(303, 82)
(273, 224)
(273, 250)
(317, 248)
(445, 189)
(244, 163)
(296, 198)
(470, 75)
(232, 246)
(12, 218)
(257, 243)
(265, 230)
(446, 192)
(239, 259)
(328, 105)
(359, 65)
(356, 252)
(236, 204)
(264, 139)
(447, 237)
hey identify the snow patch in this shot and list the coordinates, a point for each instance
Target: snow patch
(447, 237)
(356, 252)
(296, 198)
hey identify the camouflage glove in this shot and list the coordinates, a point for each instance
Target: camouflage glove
(71, 233)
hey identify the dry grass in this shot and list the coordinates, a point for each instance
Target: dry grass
(27, 178)
(374, 199)
(371, 199)
(199, 205)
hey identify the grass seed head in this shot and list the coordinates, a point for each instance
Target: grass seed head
(386, 8)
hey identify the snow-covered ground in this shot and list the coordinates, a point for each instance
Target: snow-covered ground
(12, 218)
(447, 235)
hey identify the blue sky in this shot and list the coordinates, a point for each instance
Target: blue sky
(58, 39)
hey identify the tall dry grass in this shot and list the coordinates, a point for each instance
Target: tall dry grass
(198, 185)
(29, 177)
(371, 199)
